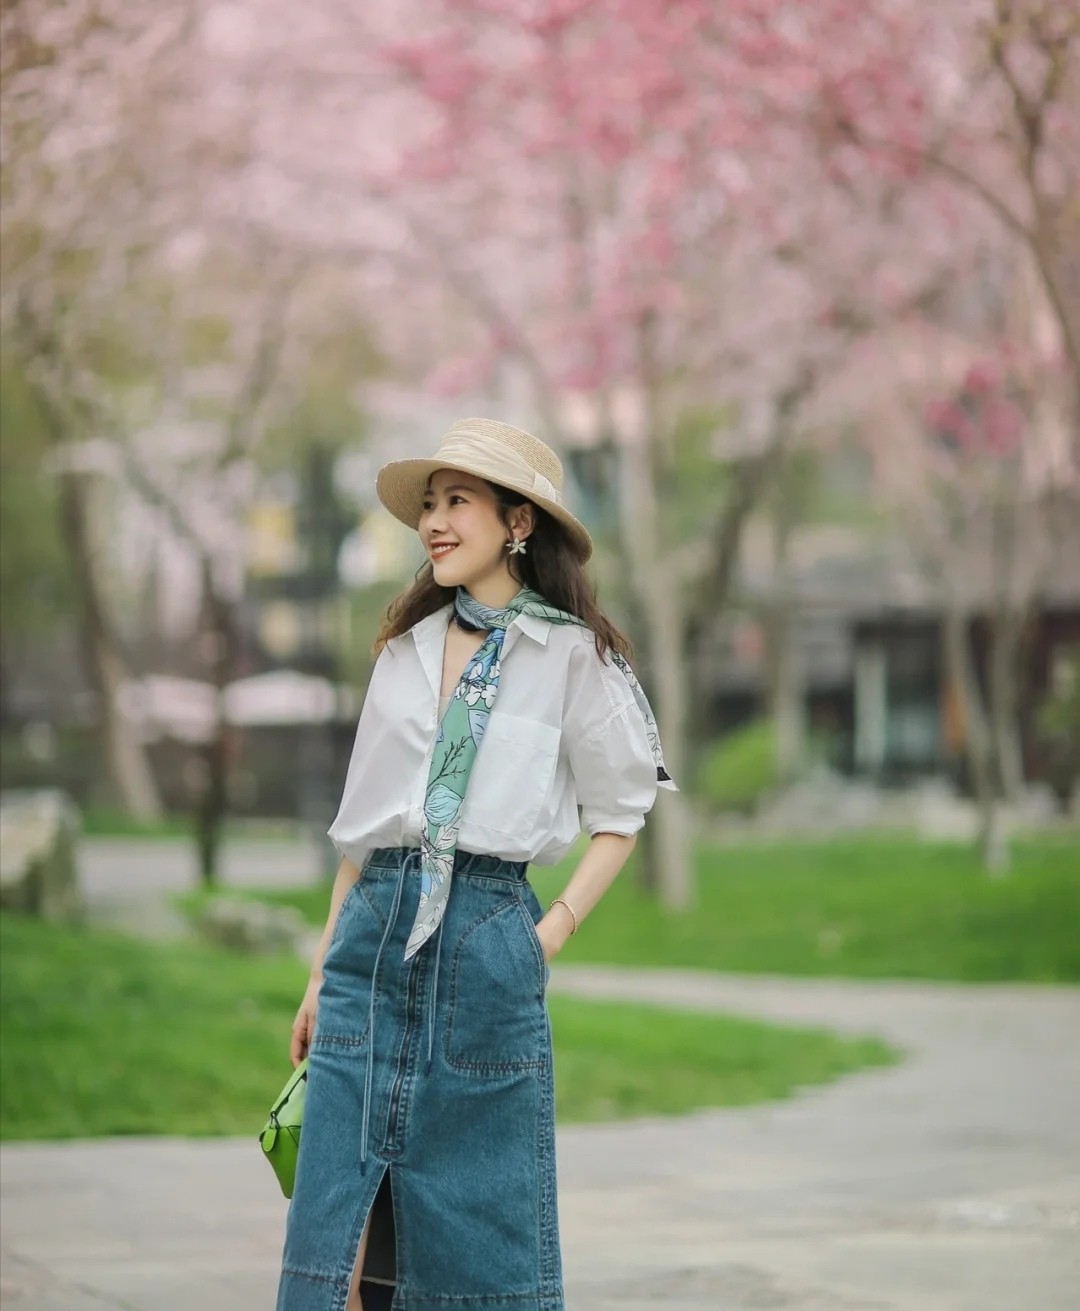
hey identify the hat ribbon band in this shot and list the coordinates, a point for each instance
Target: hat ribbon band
(489, 460)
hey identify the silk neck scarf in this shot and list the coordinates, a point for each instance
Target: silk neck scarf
(461, 730)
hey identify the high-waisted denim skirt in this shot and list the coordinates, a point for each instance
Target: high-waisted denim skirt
(430, 1103)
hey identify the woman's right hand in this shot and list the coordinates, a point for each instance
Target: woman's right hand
(303, 1029)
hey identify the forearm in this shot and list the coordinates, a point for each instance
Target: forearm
(604, 857)
(346, 876)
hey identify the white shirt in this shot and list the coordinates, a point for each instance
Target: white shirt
(565, 748)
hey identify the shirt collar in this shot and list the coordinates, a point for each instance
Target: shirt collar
(431, 624)
(534, 627)
(429, 635)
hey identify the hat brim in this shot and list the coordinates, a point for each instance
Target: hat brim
(401, 484)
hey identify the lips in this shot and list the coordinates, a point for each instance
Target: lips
(441, 549)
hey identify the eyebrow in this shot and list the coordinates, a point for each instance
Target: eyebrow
(457, 487)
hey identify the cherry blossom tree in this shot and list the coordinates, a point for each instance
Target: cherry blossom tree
(979, 469)
(635, 203)
(990, 452)
(994, 92)
(161, 348)
(73, 215)
(633, 222)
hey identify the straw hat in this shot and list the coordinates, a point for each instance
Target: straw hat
(496, 451)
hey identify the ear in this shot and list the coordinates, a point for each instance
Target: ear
(522, 519)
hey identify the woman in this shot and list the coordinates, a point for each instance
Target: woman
(501, 716)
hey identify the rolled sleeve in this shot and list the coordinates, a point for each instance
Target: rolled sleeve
(608, 748)
(614, 775)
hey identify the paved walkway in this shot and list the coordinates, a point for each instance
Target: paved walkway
(949, 1183)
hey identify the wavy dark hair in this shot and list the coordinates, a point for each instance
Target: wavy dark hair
(550, 567)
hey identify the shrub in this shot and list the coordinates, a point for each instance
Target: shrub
(737, 770)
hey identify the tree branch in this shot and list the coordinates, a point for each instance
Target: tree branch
(951, 169)
(1026, 114)
(471, 288)
(751, 479)
(261, 368)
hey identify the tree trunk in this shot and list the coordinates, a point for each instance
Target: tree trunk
(126, 766)
(786, 708)
(1004, 645)
(786, 694)
(1004, 690)
(1057, 229)
(210, 814)
(212, 810)
(752, 479)
(666, 856)
(977, 742)
(672, 866)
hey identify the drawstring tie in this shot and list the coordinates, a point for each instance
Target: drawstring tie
(370, 1073)
(431, 1003)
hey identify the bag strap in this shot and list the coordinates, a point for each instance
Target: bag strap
(299, 1073)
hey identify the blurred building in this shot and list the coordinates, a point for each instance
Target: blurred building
(873, 685)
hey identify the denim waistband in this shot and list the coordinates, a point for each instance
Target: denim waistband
(467, 863)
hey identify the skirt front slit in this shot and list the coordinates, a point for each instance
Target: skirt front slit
(430, 1088)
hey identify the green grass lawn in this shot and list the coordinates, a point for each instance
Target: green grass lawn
(870, 908)
(104, 1034)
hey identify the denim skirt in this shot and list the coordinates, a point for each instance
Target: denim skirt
(429, 1103)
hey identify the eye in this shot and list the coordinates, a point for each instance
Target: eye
(456, 497)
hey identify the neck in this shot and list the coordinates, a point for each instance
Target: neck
(496, 593)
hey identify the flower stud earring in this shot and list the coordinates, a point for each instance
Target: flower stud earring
(516, 547)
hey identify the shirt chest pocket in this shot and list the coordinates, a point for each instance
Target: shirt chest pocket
(513, 773)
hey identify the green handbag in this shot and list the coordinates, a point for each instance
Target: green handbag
(280, 1138)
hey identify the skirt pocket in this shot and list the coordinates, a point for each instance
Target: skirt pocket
(497, 1022)
(535, 913)
(341, 1015)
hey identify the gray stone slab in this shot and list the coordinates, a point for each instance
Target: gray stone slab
(111, 868)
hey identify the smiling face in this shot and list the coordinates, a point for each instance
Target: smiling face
(465, 536)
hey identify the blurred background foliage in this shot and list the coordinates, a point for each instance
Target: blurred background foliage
(790, 293)
(792, 290)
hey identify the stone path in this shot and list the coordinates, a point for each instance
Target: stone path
(125, 881)
(949, 1183)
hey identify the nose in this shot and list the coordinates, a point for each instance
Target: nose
(432, 522)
